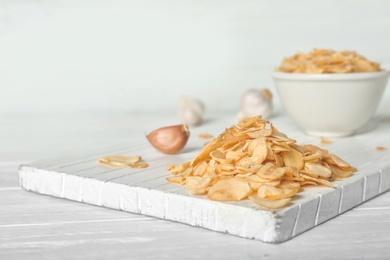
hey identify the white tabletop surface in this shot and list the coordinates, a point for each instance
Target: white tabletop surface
(94, 55)
(34, 226)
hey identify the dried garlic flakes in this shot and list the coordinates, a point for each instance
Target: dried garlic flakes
(327, 61)
(326, 141)
(205, 136)
(123, 161)
(381, 148)
(252, 161)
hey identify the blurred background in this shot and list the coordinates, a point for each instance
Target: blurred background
(103, 57)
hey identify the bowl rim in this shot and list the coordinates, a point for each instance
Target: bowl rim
(330, 76)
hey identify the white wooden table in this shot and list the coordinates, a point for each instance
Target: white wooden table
(33, 226)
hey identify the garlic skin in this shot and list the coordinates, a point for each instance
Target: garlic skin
(169, 139)
(256, 102)
(191, 111)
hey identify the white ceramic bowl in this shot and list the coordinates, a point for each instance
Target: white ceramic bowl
(331, 105)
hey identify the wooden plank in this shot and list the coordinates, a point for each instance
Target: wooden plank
(37, 224)
(145, 191)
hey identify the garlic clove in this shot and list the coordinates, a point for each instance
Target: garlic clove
(267, 94)
(191, 117)
(169, 139)
(191, 111)
(256, 102)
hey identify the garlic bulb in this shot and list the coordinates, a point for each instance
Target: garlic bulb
(191, 111)
(256, 102)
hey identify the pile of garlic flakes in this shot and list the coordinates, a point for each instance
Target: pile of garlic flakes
(252, 161)
(327, 61)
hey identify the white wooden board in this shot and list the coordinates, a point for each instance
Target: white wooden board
(145, 191)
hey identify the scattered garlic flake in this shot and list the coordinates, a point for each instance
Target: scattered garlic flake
(381, 148)
(205, 136)
(326, 141)
(122, 161)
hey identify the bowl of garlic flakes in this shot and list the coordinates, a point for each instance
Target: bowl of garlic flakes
(330, 93)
